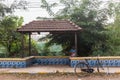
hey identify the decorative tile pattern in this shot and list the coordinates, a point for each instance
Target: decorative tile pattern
(22, 63)
(52, 61)
(93, 63)
(12, 64)
(30, 61)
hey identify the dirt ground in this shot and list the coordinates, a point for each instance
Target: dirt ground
(57, 77)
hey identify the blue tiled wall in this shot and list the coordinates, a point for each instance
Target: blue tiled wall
(110, 63)
(12, 64)
(30, 61)
(52, 61)
(55, 61)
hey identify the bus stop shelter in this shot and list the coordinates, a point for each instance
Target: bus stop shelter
(52, 26)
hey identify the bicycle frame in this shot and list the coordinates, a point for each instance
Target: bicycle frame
(98, 64)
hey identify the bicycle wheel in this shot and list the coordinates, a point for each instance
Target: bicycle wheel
(81, 69)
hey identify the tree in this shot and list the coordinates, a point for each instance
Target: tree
(69, 5)
(9, 38)
(114, 30)
(8, 25)
(48, 7)
(4, 9)
(19, 4)
(91, 17)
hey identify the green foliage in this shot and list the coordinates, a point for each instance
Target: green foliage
(53, 50)
(41, 49)
(114, 39)
(69, 5)
(113, 33)
(9, 38)
(4, 9)
(3, 52)
(48, 7)
(93, 27)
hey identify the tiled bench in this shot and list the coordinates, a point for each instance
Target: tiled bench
(28, 61)
(15, 62)
(52, 60)
(106, 61)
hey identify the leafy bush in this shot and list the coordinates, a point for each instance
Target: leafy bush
(3, 52)
(53, 50)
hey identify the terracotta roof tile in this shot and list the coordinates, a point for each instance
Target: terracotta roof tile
(49, 26)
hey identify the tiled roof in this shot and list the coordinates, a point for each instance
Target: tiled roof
(49, 26)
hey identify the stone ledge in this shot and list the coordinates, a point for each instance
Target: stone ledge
(51, 56)
(16, 59)
(101, 58)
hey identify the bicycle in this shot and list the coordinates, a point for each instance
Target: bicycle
(83, 68)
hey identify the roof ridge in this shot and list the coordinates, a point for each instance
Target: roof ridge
(52, 20)
(71, 22)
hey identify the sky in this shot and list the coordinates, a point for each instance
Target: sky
(32, 13)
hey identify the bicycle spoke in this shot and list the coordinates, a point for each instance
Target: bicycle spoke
(81, 69)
